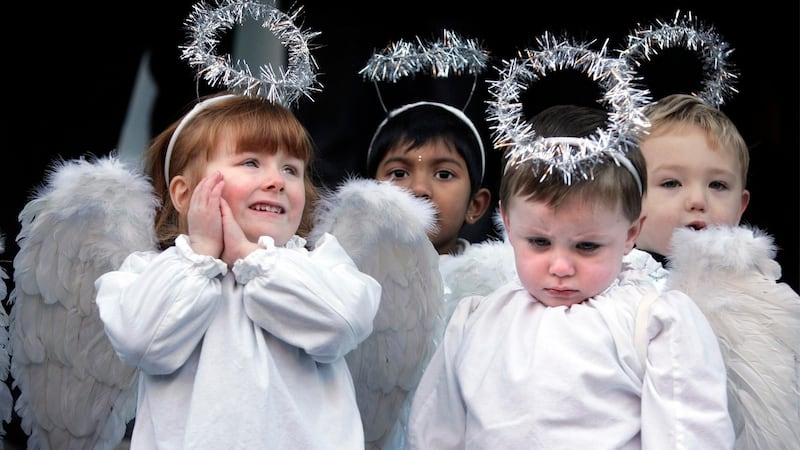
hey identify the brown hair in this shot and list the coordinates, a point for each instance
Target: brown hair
(680, 109)
(256, 123)
(610, 183)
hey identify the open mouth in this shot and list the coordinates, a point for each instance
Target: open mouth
(268, 208)
(696, 226)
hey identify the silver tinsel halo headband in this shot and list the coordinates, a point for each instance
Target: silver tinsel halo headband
(568, 156)
(688, 32)
(206, 23)
(439, 58)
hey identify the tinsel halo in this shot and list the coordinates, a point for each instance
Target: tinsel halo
(206, 23)
(568, 156)
(689, 32)
(439, 58)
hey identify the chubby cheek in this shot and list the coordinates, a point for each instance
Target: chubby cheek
(531, 271)
(598, 277)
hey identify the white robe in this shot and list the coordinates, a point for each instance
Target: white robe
(241, 359)
(512, 373)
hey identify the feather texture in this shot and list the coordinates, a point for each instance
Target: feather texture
(384, 230)
(6, 400)
(731, 274)
(479, 270)
(88, 216)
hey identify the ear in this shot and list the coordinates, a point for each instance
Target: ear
(478, 205)
(743, 206)
(180, 194)
(633, 233)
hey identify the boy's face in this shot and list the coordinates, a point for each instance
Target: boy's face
(566, 255)
(438, 172)
(689, 184)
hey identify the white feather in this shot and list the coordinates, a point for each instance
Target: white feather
(384, 230)
(88, 216)
(731, 275)
(6, 399)
(479, 270)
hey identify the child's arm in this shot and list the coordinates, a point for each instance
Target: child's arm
(684, 397)
(318, 301)
(157, 307)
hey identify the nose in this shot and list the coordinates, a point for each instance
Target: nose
(696, 199)
(420, 186)
(273, 179)
(561, 265)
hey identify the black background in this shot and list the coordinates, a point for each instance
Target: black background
(70, 68)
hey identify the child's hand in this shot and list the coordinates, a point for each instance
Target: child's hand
(236, 245)
(205, 216)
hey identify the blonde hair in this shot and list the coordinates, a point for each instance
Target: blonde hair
(680, 109)
(255, 123)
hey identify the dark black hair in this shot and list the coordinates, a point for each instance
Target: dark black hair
(419, 123)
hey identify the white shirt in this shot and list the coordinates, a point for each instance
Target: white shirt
(241, 359)
(512, 373)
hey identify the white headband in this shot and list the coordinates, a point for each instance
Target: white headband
(186, 119)
(455, 111)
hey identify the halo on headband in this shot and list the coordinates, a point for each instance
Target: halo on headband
(205, 23)
(568, 156)
(688, 32)
(439, 58)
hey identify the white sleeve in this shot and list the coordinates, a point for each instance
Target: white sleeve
(156, 308)
(684, 396)
(318, 301)
(438, 417)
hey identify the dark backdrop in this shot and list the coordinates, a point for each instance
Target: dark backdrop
(70, 69)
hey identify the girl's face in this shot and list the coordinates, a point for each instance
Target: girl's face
(266, 192)
(567, 255)
(437, 172)
(689, 184)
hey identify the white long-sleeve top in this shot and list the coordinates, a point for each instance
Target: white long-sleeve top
(512, 373)
(241, 359)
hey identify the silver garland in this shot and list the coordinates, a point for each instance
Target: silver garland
(688, 32)
(438, 58)
(206, 23)
(568, 156)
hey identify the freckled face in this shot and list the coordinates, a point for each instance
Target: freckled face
(266, 192)
(567, 255)
(438, 172)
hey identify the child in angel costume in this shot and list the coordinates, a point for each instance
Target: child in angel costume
(550, 360)
(237, 296)
(697, 169)
(212, 298)
(435, 152)
(726, 268)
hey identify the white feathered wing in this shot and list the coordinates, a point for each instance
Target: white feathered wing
(6, 400)
(384, 230)
(74, 391)
(731, 274)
